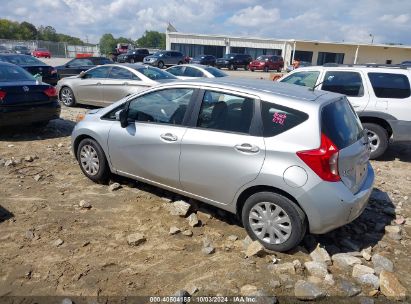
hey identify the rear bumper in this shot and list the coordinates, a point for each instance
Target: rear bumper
(50, 80)
(26, 115)
(331, 205)
(257, 67)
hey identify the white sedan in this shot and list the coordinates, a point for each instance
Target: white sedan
(108, 83)
(192, 71)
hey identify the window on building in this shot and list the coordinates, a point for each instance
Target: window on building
(388, 85)
(324, 57)
(303, 56)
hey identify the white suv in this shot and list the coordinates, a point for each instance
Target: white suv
(380, 95)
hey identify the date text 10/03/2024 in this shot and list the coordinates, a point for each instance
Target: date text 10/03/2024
(203, 299)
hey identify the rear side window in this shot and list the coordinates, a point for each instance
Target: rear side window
(306, 79)
(120, 73)
(347, 83)
(278, 119)
(192, 72)
(386, 85)
(340, 123)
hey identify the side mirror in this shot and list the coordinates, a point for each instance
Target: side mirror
(122, 117)
(82, 74)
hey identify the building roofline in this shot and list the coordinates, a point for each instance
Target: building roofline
(290, 40)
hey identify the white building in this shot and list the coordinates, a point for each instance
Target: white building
(316, 52)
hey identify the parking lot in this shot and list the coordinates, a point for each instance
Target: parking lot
(53, 246)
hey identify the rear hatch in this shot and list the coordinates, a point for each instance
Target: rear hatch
(25, 93)
(43, 70)
(341, 125)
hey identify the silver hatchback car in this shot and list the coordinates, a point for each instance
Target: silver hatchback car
(284, 158)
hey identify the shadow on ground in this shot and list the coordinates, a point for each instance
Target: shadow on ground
(400, 151)
(5, 214)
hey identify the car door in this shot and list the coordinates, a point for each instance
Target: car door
(119, 83)
(221, 153)
(149, 147)
(88, 89)
(350, 83)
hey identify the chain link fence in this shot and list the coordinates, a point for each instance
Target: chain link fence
(57, 49)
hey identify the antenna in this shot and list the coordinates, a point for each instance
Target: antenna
(329, 78)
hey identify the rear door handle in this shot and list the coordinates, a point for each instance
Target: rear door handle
(247, 148)
(169, 137)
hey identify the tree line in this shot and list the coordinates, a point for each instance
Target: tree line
(27, 31)
(150, 39)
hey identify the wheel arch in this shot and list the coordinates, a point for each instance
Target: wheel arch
(379, 121)
(246, 193)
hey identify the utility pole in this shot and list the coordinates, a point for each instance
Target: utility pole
(372, 38)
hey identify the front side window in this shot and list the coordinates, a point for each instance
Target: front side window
(278, 119)
(176, 70)
(388, 85)
(165, 107)
(226, 112)
(120, 73)
(192, 72)
(100, 72)
(306, 78)
(215, 72)
(347, 83)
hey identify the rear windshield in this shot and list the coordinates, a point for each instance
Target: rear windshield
(278, 119)
(14, 73)
(340, 123)
(22, 60)
(103, 61)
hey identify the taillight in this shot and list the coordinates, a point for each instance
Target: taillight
(53, 71)
(2, 94)
(50, 92)
(324, 160)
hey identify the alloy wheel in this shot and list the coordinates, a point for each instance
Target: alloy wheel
(270, 223)
(66, 96)
(374, 140)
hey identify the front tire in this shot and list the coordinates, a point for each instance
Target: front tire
(274, 220)
(378, 138)
(67, 97)
(92, 161)
(266, 69)
(160, 65)
(246, 67)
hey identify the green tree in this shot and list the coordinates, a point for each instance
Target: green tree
(124, 40)
(152, 39)
(70, 39)
(8, 29)
(27, 31)
(107, 43)
(47, 33)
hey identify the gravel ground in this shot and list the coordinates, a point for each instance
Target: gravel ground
(61, 234)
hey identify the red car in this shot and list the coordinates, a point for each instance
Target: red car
(267, 62)
(42, 53)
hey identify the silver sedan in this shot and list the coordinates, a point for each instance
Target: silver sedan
(106, 84)
(192, 71)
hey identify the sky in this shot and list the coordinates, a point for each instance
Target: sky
(329, 20)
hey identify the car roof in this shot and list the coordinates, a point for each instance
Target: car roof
(264, 88)
(353, 67)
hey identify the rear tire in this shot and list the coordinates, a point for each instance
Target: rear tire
(180, 62)
(67, 97)
(378, 138)
(246, 67)
(274, 220)
(231, 67)
(92, 161)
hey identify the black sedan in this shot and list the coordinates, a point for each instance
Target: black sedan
(78, 65)
(23, 100)
(33, 66)
(204, 60)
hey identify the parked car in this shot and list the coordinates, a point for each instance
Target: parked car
(406, 63)
(23, 100)
(266, 63)
(108, 83)
(21, 49)
(204, 59)
(302, 64)
(164, 58)
(78, 65)
(4, 50)
(190, 71)
(32, 65)
(281, 157)
(234, 61)
(41, 52)
(132, 56)
(380, 95)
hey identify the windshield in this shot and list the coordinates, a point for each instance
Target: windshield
(199, 57)
(14, 73)
(215, 72)
(21, 48)
(228, 56)
(22, 60)
(42, 50)
(155, 73)
(158, 54)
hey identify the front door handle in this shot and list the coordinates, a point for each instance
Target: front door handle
(98, 83)
(125, 83)
(247, 148)
(169, 137)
